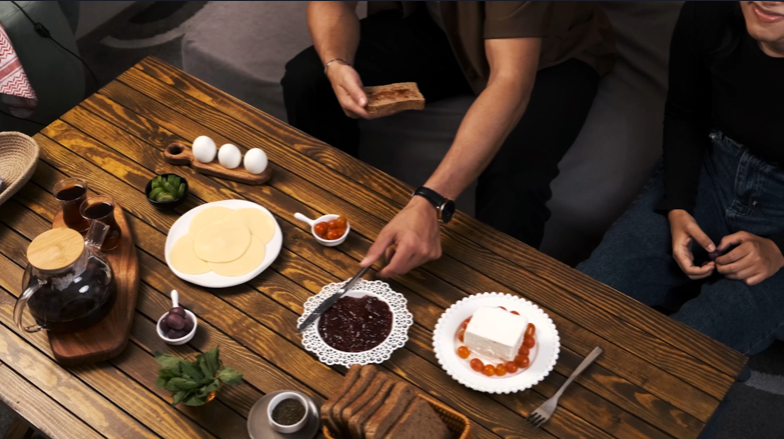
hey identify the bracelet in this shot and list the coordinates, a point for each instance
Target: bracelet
(326, 66)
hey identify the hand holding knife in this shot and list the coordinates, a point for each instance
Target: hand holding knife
(327, 304)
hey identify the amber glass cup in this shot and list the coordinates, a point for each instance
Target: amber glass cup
(71, 193)
(101, 208)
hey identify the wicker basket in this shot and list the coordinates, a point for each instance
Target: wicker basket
(18, 159)
(458, 424)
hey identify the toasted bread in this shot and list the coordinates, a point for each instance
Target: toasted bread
(385, 100)
(326, 409)
(372, 390)
(366, 375)
(419, 421)
(357, 420)
(379, 424)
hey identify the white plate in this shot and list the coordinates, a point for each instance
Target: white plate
(212, 279)
(543, 356)
(402, 319)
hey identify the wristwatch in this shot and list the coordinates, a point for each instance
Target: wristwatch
(444, 206)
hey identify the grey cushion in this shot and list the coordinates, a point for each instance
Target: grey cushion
(600, 175)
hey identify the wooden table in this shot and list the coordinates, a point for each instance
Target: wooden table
(656, 378)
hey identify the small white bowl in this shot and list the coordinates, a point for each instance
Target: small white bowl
(324, 218)
(178, 341)
(288, 429)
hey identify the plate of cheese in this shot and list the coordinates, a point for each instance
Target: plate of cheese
(496, 343)
(223, 244)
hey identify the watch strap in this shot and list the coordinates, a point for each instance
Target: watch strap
(436, 199)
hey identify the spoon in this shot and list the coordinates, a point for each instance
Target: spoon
(321, 219)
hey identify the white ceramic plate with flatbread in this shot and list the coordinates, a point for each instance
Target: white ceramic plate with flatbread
(212, 279)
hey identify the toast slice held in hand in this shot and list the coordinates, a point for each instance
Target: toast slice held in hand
(385, 100)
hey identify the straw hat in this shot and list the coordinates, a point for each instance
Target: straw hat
(18, 158)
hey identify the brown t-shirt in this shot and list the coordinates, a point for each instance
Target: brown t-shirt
(578, 30)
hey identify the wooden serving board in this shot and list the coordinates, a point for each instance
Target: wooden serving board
(180, 154)
(107, 338)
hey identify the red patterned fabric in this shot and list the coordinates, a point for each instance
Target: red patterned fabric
(15, 90)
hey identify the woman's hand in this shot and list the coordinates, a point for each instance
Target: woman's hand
(412, 238)
(684, 230)
(753, 260)
(348, 89)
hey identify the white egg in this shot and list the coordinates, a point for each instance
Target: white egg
(255, 161)
(229, 156)
(204, 149)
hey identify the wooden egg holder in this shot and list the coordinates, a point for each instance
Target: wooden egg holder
(180, 154)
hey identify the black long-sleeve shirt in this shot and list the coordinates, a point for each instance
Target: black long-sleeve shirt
(738, 91)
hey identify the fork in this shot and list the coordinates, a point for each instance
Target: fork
(546, 410)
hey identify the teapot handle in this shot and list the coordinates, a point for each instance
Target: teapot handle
(22, 303)
(96, 234)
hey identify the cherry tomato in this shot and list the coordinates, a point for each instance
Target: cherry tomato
(529, 342)
(511, 366)
(463, 352)
(500, 370)
(321, 229)
(489, 370)
(335, 233)
(461, 335)
(522, 361)
(523, 350)
(477, 365)
(341, 222)
(502, 308)
(530, 330)
(465, 323)
(333, 224)
(515, 313)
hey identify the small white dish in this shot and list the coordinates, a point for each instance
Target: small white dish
(543, 355)
(402, 319)
(321, 219)
(183, 340)
(259, 426)
(212, 279)
(288, 429)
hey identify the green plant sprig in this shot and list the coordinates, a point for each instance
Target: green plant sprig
(192, 382)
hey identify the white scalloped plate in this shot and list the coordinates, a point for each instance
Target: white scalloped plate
(402, 319)
(543, 355)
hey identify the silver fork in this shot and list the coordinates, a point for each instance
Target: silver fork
(546, 410)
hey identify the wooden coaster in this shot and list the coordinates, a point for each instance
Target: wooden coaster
(180, 154)
(107, 338)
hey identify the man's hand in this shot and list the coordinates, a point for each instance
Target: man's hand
(412, 238)
(753, 260)
(684, 230)
(348, 89)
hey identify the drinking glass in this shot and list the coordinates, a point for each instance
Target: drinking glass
(71, 192)
(101, 208)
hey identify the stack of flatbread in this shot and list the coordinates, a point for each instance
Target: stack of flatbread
(371, 405)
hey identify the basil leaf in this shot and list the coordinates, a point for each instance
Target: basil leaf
(191, 370)
(176, 384)
(212, 359)
(178, 397)
(205, 369)
(169, 362)
(195, 400)
(230, 376)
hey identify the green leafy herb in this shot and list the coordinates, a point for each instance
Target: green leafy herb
(167, 188)
(193, 383)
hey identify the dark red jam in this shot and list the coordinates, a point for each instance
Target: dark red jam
(356, 324)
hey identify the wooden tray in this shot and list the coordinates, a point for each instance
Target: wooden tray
(456, 422)
(180, 154)
(107, 338)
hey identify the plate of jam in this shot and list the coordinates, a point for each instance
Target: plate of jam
(363, 327)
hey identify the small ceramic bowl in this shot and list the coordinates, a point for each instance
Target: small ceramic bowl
(166, 205)
(178, 341)
(325, 218)
(293, 428)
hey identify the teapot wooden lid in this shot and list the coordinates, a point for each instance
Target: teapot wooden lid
(55, 249)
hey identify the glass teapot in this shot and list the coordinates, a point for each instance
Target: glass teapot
(68, 284)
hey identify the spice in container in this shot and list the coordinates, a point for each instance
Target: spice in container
(288, 412)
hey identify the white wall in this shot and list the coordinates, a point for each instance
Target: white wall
(95, 13)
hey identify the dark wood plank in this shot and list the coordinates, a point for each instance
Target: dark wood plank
(165, 116)
(19, 429)
(40, 410)
(613, 301)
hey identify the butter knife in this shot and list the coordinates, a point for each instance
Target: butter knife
(327, 304)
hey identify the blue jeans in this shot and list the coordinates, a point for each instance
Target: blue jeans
(737, 192)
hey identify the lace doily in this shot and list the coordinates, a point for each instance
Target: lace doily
(398, 336)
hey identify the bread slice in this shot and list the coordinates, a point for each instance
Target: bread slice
(419, 421)
(379, 424)
(362, 400)
(326, 408)
(366, 375)
(357, 420)
(385, 100)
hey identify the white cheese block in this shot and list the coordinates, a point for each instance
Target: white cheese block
(493, 332)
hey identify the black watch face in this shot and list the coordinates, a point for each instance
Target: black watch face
(447, 211)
